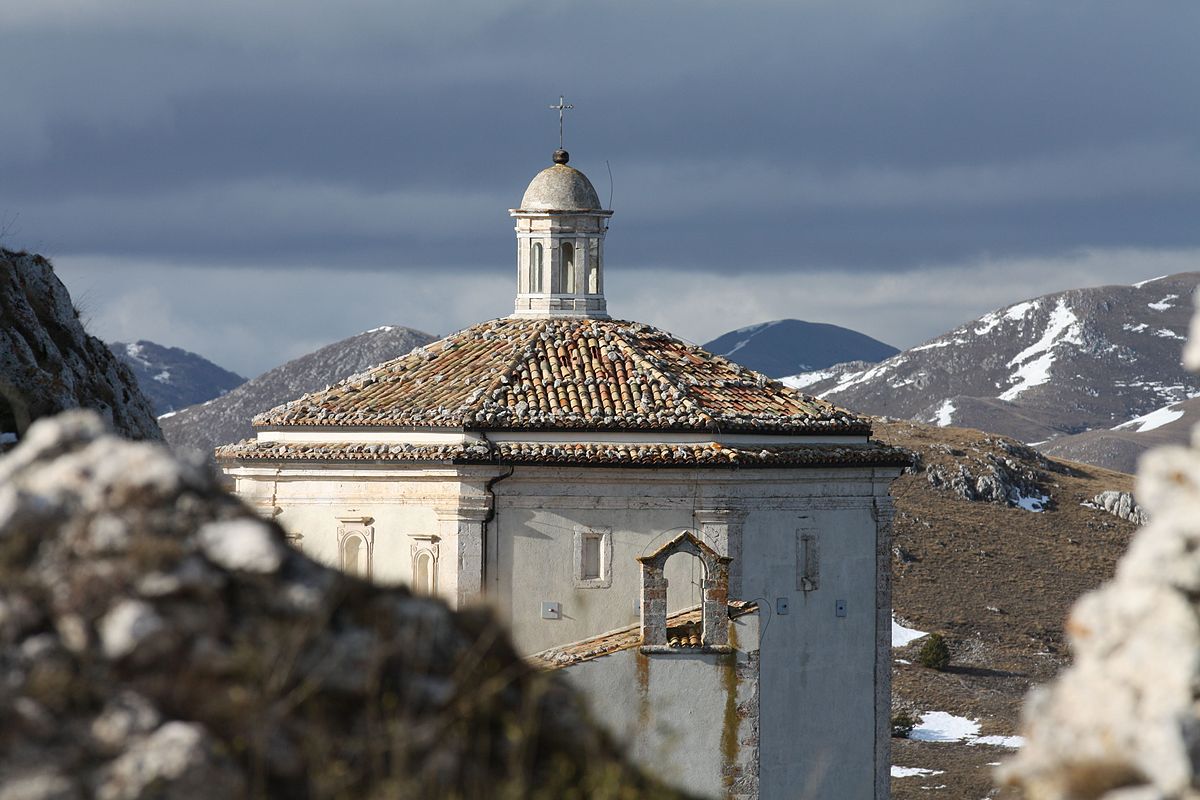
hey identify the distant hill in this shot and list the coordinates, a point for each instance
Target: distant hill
(1054, 365)
(1120, 447)
(200, 428)
(787, 346)
(172, 377)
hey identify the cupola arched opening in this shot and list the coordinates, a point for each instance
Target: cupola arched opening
(566, 280)
(592, 285)
(536, 258)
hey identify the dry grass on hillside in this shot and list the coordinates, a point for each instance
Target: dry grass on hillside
(997, 582)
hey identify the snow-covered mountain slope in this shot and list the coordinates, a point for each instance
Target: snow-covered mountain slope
(1058, 364)
(786, 346)
(200, 428)
(172, 377)
(1120, 447)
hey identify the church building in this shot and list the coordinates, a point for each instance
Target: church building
(701, 550)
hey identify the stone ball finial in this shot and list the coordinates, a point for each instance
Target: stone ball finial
(561, 156)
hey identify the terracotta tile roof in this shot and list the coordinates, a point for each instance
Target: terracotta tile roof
(708, 454)
(629, 637)
(686, 635)
(564, 374)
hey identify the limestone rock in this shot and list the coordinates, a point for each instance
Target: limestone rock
(48, 362)
(179, 761)
(157, 639)
(1120, 504)
(1123, 722)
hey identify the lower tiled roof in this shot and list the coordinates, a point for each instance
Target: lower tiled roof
(628, 637)
(708, 454)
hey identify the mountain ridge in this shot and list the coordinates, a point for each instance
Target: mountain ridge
(781, 347)
(200, 428)
(1037, 370)
(173, 378)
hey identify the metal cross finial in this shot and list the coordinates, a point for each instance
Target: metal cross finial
(562, 106)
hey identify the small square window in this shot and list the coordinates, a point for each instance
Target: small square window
(593, 557)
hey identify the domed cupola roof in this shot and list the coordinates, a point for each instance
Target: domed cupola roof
(560, 188)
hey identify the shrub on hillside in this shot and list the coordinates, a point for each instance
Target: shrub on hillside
(902, 724)
(935, 653)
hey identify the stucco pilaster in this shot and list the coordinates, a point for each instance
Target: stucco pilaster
(460, 528)
(721, 529)
(883, 512)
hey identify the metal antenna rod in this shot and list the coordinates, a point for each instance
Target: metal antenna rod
(562, 105)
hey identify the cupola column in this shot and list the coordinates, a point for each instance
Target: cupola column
(560, 245)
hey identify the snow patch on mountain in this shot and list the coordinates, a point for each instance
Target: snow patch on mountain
(1164, 333)
(855, 378)
(1033, 502)
(1155, 419)
(936, 343)
(1164, 304)
(1140, 284)
(945, 414)
(1034, 362)
(1021, 310)
(807, 378)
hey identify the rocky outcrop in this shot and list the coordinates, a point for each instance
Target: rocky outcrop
(1120, 504)
(1124, 721)
(159, 640)
(994, 479)
(48, 362)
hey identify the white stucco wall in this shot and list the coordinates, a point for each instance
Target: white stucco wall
(403, 511)
(824, 691)
(686, 718)
(820, 672)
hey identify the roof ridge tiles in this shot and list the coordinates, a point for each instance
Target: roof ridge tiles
(664, 376)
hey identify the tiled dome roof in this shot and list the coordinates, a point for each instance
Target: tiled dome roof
(565, 374)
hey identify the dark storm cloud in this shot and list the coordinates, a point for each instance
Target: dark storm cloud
(773, 136)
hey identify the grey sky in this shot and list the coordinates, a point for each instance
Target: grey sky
(250, 180)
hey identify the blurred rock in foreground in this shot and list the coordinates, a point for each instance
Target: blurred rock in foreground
(159, 640)
(48, 363)
(1123, 723)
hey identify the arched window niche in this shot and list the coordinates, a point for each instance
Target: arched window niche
(566, 280)
(535, 267)
(356, 545)
(714, 599)
(424, 565)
